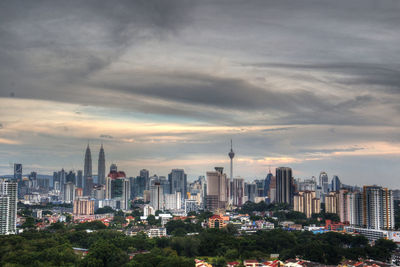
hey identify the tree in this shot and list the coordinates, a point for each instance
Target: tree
(95, 225)
(382, 250)
(29, 223)
(151, 220)
(103, 253)
(104, 210)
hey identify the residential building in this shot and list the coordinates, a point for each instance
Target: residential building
(83, 206)
(378, 210)
(8, 206)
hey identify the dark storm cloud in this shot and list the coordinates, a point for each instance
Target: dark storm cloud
(69, 40)
(198, 89)
(51, 49)
(361, 74)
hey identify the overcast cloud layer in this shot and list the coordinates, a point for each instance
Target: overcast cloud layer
(314, 85)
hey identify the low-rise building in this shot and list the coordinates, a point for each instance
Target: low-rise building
(157, 232)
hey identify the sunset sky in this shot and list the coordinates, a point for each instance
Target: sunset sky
(313, 85)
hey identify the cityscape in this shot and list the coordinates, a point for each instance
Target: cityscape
(149, 204)
(213, 133)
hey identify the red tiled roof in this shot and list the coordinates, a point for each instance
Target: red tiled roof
(115, 175)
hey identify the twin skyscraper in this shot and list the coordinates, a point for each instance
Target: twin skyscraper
(87, 171)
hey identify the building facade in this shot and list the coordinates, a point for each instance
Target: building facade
(284, 185)
(8, 206)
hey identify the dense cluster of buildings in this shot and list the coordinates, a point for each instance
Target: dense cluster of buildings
(370, 207)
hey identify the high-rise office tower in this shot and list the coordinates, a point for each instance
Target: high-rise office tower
(178, 182)
(126, 194)
(272, 190)
(156, 196)
(284, 185)
(250, 191)
(113, 167)
(378, 211)
(87, 170)
(144, 174)
(324, 182)
(79, 180)
(17, 171)
(335, 184)
(62, 176)
(99, 191)
(69, 192)
(118, 188)
(56, 178)
(267, 183)
(87, 191)
(238, 191)
(101, 167)
(216, 197)
(70, 177)
(8, 206)
(231, 156)
(138, 186)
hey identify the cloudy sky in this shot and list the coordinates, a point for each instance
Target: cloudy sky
(314, 85)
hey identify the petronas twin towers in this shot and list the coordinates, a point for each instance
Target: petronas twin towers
(101, 171)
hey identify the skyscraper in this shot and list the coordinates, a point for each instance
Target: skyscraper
(79, 181)
(250, 191)
(113, 167)
(216, 190)
(118, 188)
(17, 171)
(69, 192)
(324, 182)
(238, 192)
(87, 170)
(101, 167)
(230, 184)
(331, 203)
(335, 184)
(284, 185)
(8, 206)
(145, 176)
(126, 194)
(156, 196)
(178, 182)
(267, 183)
(378, 211)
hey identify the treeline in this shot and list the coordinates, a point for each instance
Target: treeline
(112, 248)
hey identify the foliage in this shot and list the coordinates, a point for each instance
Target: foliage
(111, 248)
(104, 210)
(95, 225)
(180, 228)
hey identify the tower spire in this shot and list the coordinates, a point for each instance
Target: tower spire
(231, 155)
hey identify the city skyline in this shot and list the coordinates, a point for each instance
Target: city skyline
(164, 85)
